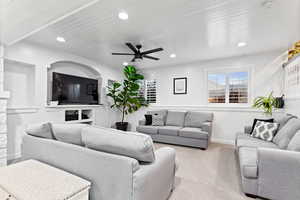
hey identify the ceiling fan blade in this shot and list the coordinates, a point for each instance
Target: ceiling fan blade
(133, 60)
(150, 57)
(132, 47)
(152, 51)
(129, 54)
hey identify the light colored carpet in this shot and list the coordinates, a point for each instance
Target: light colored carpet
(207, 175)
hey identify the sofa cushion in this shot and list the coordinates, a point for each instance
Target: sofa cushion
(245, 140)
(147, 129)
(190, 132)
(196, 119)
(169, 130)
(294, 144)
(282, 119)
(134, 145)
(42, 130)
(175, 118)
(285, 134)
(68, 133)
(248, 162)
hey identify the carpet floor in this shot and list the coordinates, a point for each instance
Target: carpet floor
(207, 175)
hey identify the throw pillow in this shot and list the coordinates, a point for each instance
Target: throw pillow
(148, 120)
(256, 120)
(158, 120)
(265, 130)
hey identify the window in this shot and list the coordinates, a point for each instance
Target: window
(148, 90)
(228, 87)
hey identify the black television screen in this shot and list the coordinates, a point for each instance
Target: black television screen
(68, 89)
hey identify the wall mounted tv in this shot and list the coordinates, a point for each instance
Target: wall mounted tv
(68, 89)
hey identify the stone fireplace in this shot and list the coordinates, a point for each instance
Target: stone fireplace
(3, 114)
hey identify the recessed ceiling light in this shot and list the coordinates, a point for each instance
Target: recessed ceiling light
(173, 55)
(123, 15)
(60, 39)
(125, 63)
(242, 44)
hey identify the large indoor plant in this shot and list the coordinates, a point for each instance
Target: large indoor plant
(125, 95)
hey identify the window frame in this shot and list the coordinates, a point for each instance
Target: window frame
(227, 71)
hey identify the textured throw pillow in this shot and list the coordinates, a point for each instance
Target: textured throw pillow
(42, 130)
(157, 120)
(263, 120)
(148, 120)
(265, 130)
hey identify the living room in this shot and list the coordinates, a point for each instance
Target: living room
(115, 79)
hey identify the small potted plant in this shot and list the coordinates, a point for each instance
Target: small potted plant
(267, 103)
(125, 95)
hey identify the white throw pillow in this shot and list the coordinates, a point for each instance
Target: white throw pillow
(42, 130)
(68, 133)
(265, 130)
(137, 146)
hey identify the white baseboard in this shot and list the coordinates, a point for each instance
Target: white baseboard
(13, 156)
(222, 141)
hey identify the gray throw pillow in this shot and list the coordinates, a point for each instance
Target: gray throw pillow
(286, 133)
(265, 130)
(68, 133)
(196, 118)
(135, 145)
(294, 144)
(42, 130)
(175, 118)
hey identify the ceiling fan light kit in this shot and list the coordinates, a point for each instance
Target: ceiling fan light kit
(138, 54)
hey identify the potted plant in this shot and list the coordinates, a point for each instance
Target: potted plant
(267, 103)
(125, 95)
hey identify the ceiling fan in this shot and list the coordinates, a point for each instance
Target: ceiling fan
(138, 55)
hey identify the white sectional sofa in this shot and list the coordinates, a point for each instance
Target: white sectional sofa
(188, 128)
(120, 165)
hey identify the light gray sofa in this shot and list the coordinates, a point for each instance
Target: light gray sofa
(114, 176)
(188, 128)
(271, 169)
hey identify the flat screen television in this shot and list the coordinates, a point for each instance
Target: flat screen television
(69, 89)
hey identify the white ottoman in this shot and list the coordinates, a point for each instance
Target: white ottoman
(33, 180)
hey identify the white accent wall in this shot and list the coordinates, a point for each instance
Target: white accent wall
(23, 59)
(229, 119)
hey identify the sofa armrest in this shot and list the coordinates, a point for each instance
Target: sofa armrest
(279, 174)
(247, 129)
(142, 122)
(155, 180)
(207, 127)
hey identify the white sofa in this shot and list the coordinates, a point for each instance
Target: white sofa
(114, 176)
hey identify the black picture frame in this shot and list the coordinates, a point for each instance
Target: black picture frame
(175, 82)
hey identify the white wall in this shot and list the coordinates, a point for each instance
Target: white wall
(41, 58)
(228, 119)
(264, 80)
